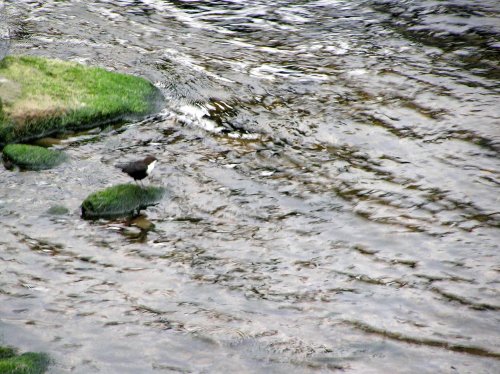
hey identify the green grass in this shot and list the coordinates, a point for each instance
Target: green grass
(39, 97)
(6, 352)
(32, 157)
(120, 200)
(27, 363)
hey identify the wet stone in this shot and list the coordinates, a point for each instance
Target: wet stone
(142, 223)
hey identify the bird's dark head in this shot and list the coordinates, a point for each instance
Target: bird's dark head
(149, 159)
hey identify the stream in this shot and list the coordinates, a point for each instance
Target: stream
(333, 203)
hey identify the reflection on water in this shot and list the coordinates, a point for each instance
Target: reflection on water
(4, 32)
(333, 176)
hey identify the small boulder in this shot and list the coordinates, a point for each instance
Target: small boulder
(32, 157)
(120, 201)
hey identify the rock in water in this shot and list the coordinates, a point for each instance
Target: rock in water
(120, 201)
(32, 157)
(41, 97)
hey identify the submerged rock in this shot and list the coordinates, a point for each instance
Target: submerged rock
(120, 200)
(32, 157)
(40, 97)
(142, 223)
(27, 363)
(57, 210)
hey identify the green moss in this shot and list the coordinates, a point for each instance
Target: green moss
(27, 363)
(32, 157)
(39, 97)
(120, 200)
(6, 352)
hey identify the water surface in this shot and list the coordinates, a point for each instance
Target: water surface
(333, 191)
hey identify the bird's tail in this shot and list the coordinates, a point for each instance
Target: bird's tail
(120, 166)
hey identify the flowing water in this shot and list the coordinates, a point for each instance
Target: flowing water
(333, 191)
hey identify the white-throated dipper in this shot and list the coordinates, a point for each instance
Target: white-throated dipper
(139, 169)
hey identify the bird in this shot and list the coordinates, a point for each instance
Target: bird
(139, 169)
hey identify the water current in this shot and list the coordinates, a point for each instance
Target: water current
(333, 176)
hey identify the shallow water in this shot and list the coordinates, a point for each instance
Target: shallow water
(333, 191)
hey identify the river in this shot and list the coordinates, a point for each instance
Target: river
(333, 176)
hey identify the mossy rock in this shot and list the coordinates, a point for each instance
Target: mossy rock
(27, 363)
(120, 200)
(32, 157)
(41, 97)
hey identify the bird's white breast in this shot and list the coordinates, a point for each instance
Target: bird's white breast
(151, 166)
